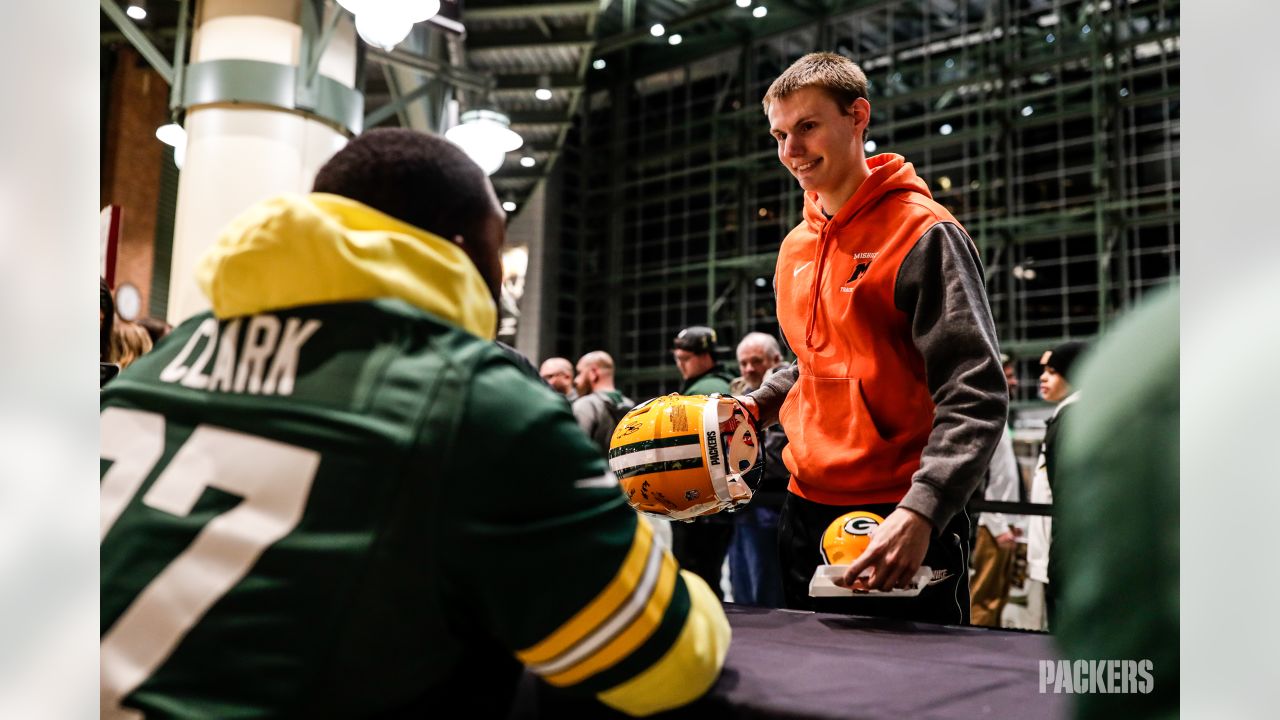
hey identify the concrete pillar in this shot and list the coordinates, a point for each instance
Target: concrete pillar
(240, 153)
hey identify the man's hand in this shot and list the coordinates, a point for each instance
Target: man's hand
(897, 548)
(751, 407)
(1006, 539)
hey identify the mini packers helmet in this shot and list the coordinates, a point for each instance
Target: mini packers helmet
(848, 536)
(682, 456)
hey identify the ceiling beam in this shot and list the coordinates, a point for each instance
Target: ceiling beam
(538, 117)
(140, 42)
(452, 74)
(559, 81)
(503, 9)
(508, 40)
(520, 173)
(626, 39)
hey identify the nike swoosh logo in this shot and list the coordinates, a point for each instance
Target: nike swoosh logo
(801, 269)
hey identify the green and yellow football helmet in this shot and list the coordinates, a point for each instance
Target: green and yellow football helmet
(683, 456)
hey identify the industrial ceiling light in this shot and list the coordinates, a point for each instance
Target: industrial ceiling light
(415, 10)
(544, 88)
(137, 10)
(946, 129)
(386, 24)
(508, 206)
(1027, 110)
(675, 39)
(760, 11)
(869, 146)
(382, 30)
(486, 137)
(657, 30)
(172, 134)
(744, 3)
(527, 161)
(599, 64)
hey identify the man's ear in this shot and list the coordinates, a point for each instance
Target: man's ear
(861, 112)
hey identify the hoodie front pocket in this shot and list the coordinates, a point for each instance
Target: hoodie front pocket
(834, 438)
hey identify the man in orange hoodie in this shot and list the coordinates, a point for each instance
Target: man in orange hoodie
(897, 399)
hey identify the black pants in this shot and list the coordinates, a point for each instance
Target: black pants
(800, 547)
(700, 547)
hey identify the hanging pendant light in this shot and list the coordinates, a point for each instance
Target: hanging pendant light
(382, 30)
(175, 136)
(486, 137)
(384, 24)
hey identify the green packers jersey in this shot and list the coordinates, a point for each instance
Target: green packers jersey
(357, 509)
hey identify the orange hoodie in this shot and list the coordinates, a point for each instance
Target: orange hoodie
(860, 412)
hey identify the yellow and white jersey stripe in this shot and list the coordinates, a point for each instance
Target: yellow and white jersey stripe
(622, 617)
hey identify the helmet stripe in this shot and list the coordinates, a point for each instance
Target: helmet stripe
(656, 467)
(646, 457)
(655, 443)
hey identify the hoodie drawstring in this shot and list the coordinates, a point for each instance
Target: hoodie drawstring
(819, 267)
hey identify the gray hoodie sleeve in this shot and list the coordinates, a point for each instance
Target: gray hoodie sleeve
(940, 288)
(770, 395)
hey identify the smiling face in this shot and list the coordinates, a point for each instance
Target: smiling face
(820, 143)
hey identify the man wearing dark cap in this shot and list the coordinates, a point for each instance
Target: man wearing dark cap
(701, 545)
(1055, 387)
(695, 354)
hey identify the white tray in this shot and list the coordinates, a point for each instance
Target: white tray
(823, 584)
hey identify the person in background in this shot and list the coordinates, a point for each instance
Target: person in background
(156, 328)
(129, 341)
(996, 541)
(702, 544)
(694, 350)
(558, 373)
(599, 406)
(1055, 387)
(333, 495)
(754, 571)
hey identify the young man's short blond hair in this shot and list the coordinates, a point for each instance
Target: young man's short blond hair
(837, 75)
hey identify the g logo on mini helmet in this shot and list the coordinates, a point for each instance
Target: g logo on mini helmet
(848, 536)
(693, 455)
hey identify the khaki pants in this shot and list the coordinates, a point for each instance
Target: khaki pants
(989, 586)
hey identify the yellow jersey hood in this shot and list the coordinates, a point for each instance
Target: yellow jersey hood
(305, 250)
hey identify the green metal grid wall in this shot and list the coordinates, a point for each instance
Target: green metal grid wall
(1061, 161)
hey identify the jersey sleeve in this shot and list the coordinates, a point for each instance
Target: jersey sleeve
(558, 568)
